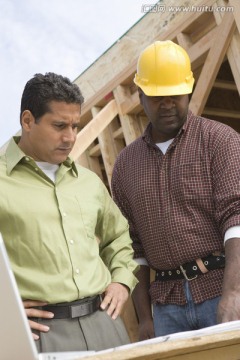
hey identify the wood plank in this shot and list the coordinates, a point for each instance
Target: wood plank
(222, 346)
(236, 12)
(95, 151)
(94, 164)
(197, 52)
(222, 113)
(225, 85)
(107, 148)
(184, 40)
(233, 53)
(118, 134)
(212, 64)
(89, 133)
(129, 123)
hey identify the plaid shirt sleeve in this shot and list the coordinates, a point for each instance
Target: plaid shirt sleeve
(225, 175)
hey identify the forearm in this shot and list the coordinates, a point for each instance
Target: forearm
(141, 296)
(142, 304)
(229, 305)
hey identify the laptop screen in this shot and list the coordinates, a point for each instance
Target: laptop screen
(15, 333)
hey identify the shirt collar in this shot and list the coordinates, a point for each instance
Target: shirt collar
(14, 155)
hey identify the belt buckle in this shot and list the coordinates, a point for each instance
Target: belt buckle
(185, 275)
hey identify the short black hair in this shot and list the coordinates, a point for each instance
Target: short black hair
(42, 89)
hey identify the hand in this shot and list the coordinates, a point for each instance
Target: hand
(31, 312)
(115, 297)
(229, 304)
(229, 308)
(146, 330)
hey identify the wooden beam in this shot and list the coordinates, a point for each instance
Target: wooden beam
(189, 19)
(89, 162)
(216, 346)
(106, 145)
(236, 12)
(225, 85)
(222, 113)
(212, 64)
(197, 52)
(184, 40)
(95, 151)
(90, 132)
(129, 123)
(118, 134)
(233, 53)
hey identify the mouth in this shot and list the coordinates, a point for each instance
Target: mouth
(167, 114)
(64, 149)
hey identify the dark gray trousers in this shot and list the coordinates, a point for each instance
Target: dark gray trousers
(93, 332)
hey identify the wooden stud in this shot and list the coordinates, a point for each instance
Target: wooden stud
(233, 53)
(108, 151)
(129, 123)
(212, 64)
(90, 132)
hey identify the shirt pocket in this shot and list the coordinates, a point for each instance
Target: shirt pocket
(191, 182)
(89, 213)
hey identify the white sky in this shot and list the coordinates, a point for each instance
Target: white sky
(62, 36)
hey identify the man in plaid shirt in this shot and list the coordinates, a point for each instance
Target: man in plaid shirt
(179, 187)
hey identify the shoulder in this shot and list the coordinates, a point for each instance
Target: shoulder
(214, 132)
(213, 127)
(131, 152)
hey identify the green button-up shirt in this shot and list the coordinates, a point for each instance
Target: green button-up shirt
(66, 240)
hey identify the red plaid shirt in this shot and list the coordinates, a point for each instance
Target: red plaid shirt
(180, 204)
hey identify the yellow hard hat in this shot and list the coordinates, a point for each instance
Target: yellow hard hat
(164, 69)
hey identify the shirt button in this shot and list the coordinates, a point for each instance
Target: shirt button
(71, 242)
(27, 158)
(64, 214)
(77, 271)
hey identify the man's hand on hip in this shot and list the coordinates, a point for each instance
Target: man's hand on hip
(115, 297)
(31, 312)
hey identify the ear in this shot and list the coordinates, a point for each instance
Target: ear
(27, 120)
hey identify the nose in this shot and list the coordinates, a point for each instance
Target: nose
(167, 102)
(69, 135)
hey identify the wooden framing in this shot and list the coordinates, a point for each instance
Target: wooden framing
(211, 39)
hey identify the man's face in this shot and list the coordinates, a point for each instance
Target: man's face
(166, 113)
(52, 138)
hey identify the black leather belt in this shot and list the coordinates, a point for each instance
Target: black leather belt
(191, 270)
(75, 309)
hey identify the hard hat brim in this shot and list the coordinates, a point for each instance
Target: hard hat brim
(154, 90)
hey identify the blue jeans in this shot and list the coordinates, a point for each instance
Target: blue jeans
(169, 319)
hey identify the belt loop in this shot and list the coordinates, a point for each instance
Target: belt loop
(201, 266)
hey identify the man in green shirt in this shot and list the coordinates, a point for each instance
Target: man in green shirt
(68, 243)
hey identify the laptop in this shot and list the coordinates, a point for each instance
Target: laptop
(16, 340)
